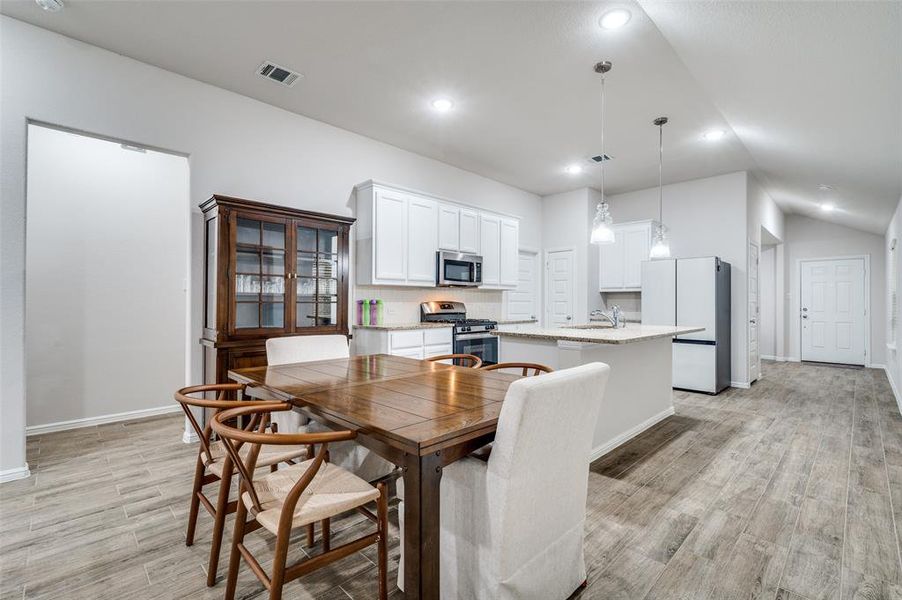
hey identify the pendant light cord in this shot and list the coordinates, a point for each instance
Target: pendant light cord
(603, 169)
(661, 175)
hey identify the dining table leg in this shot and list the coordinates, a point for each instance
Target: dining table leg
(422, 481)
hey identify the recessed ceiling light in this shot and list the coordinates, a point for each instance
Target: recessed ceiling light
(827, 207)
(615, 18)
(714, 135)
(50, 5)
(574, 169)
(825, 188)
(442, 104)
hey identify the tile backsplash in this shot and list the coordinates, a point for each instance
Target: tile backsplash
(402, 305)
(629, 302)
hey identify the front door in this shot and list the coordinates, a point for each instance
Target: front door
(754, 312)
(521, 302)
(560, 278)
(833, 311)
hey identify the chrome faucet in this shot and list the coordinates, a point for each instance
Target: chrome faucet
(615, 318)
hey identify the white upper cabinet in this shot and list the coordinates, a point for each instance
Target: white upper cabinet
(490, 243)
(398, 233)
(510, 252)
(448, 227)
(620, 263)
(422, 240)
(469, 231)
(390, 228)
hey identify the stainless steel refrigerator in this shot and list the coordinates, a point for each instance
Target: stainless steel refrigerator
(692, 292)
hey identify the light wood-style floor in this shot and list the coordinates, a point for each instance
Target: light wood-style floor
(789, 490)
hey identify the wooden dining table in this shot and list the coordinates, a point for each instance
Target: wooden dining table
(419, 415)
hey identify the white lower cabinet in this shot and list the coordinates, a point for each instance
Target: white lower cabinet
(411, 343)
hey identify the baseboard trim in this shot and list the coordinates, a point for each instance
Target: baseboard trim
(892, 385)
(744, 385)
(15, 474)
(102, 419)
(629, 434)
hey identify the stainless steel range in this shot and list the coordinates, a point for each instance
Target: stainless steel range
(471, 336)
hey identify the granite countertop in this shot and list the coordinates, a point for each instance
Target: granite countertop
(517, 322)
(402, 326)
(600, 335)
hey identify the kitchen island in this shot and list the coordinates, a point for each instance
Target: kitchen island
(639, 392)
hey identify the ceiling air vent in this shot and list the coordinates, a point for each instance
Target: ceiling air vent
(272, 71)
(600, 158)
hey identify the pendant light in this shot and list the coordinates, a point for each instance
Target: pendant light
(660, 247)
(601, 225)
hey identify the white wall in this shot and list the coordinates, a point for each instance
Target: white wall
(811, 238)
(565, 224)
(763, 212)
(106, 269)
(894, 357)
(704, 217)
(237, 146)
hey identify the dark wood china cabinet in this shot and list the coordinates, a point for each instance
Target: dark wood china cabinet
(269, 271)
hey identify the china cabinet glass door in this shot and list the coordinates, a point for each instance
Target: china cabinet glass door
(260, 274)
(317, 277)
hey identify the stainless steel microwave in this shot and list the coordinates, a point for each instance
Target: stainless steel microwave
(453, 269)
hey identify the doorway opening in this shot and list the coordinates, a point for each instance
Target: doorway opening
(106, 279)
(770, 331)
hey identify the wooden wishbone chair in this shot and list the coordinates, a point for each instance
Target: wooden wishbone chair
(215, 464)
(314, 490)
(463, 360)
(537, 369)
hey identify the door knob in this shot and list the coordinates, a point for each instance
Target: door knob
(752, 321)
(569, 317)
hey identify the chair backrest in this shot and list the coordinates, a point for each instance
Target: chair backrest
(226, 396)
(462, 360)
(539, 465)
(524, 368)
(255, 435)
(305, 348)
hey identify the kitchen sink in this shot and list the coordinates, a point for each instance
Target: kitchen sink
(604, 325)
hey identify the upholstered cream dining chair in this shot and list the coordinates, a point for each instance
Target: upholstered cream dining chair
(503, 535)
(306, 348)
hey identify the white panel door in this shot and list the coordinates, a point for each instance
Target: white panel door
(448, 227)
(833, 311)
(490, 243)
(390, 236)
(560, 276)
(469, 231)
(522, 302)
(636, 246)
(510, 249)
(754, 355)
(659, 292)
(696, 296)
(422, 240)
(610, 263)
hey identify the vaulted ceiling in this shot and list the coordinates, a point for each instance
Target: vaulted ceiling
(809, 93)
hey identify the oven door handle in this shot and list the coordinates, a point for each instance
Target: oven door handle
(473, 336)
